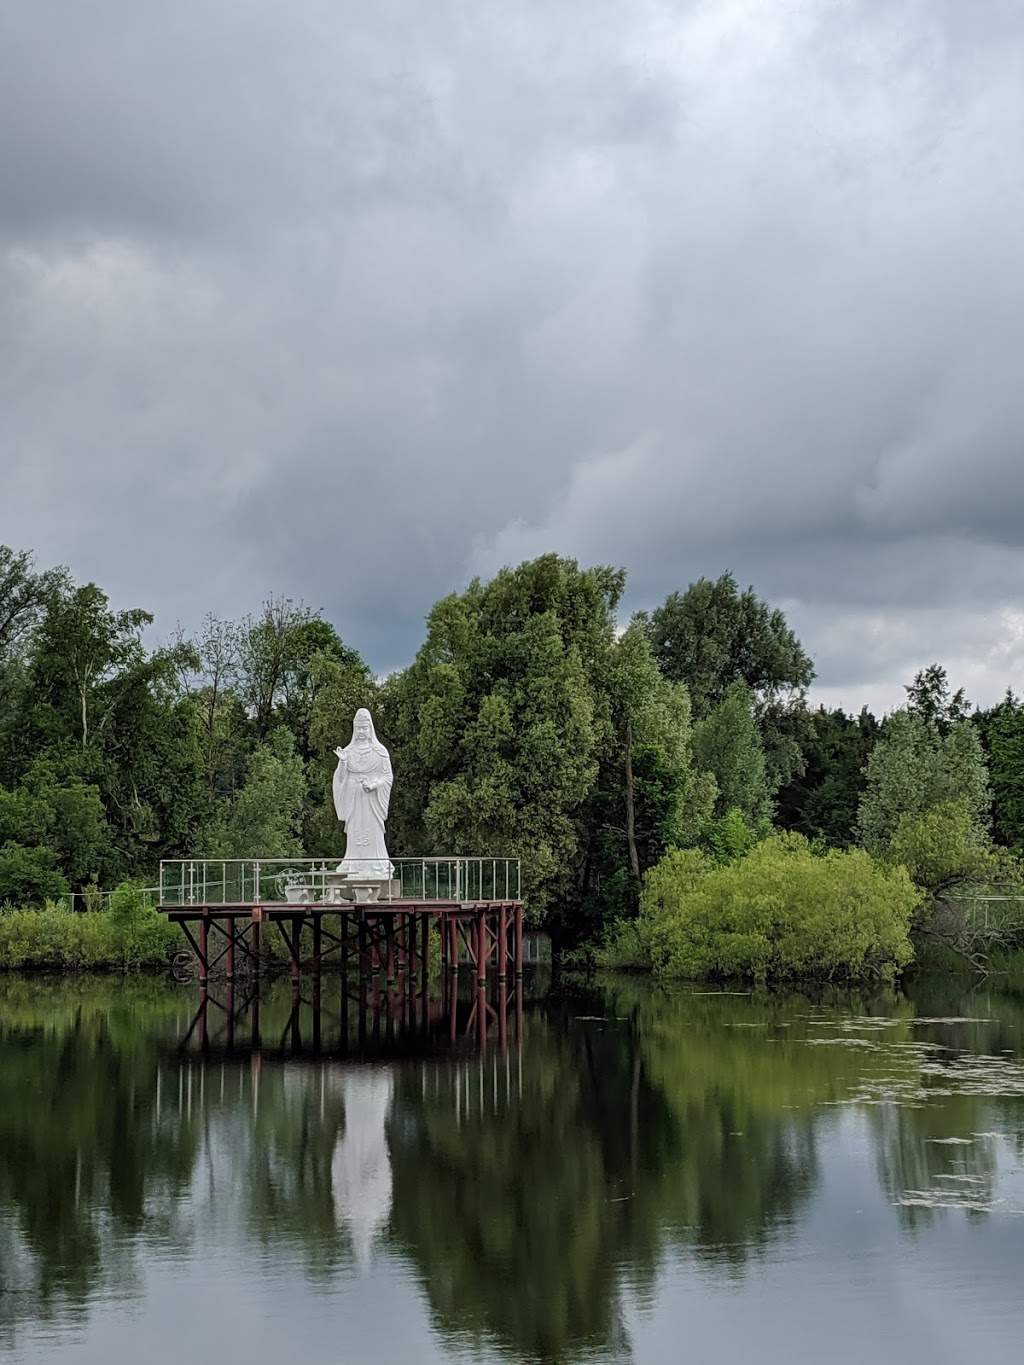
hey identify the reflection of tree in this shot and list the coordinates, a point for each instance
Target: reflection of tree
(933, 1147)
(282, 1152)
(741, 1083)
(651, 1121)
(512, 1215)
(929, 1157)
(82, 1161)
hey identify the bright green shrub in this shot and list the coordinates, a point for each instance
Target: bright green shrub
(781, 913)
(129, 935)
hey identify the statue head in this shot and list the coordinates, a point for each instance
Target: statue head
(362, 727)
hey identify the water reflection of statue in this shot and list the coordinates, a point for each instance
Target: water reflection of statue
(362, 793)
(361, 1166)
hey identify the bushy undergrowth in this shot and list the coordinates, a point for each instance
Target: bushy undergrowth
(128, 936)
(781, 913)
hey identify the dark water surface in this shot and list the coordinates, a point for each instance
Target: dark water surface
(650, 1178)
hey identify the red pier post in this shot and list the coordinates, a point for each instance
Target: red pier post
(502, 943)
(294, 954)
(481, 948)
(204, 957)
(389, 936)
(425, 965)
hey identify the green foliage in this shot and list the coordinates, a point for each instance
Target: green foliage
(929, 697)
(140, 937)
(941, 849)
(1002, 735)
(822, 801)
(726, 744)
(499, 724)
(780, 913)
(528, 725)
(28, 876)
(83, 657)
(96, 710)
(275, 653)
(265, 820)
(732, 836)
(24, 595)
(67, 818)
(915, 765)
(646, 783)
(625, 949)
(713, 636)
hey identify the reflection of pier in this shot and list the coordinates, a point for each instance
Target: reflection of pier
(379, 951)
(337, 1017)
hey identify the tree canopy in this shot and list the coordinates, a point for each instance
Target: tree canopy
(713, 635)
(532, 723)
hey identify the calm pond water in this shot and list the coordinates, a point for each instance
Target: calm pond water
(650, 1177)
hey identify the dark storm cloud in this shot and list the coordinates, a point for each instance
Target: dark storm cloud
(351, 302)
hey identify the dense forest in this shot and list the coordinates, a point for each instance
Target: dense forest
(529, 724)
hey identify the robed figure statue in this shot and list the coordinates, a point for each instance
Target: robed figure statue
(362, 793)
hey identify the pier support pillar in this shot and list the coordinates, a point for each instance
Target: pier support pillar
(204, 956)
(502, 943)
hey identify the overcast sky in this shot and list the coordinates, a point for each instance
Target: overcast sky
(352, 301)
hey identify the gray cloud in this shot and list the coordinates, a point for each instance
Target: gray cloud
(352, 302)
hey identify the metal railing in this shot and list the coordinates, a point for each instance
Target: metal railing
(985, 913)
(83, 902)
(262, 881)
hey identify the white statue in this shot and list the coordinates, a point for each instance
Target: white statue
(362, 793)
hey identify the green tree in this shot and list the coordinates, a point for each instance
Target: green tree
(920, 762)
(64, 817)
(82, 652)
(929, 697)
(727, 744)
(274, 655)
(645, 783)
(24, 595)
(101, 711)
(28, 876)
(941, 849)
(822, 802)
(1002, 736)
(647, 711)
(210, 677)
(713, 636)
(500, 723)
(265, 820)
